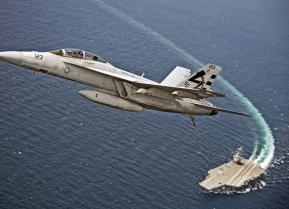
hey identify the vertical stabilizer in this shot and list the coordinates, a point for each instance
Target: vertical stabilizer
(177, 76)
(203, 78)
(182, 77)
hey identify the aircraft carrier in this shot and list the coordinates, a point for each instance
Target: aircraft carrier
(234, 174)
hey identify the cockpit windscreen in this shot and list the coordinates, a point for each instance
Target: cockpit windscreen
(79, 54)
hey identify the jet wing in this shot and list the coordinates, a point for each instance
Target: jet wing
(181, 91)
(205, 92)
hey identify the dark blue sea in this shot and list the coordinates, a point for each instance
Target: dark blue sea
(59, 150)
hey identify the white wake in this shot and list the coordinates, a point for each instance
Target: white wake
(265, 145)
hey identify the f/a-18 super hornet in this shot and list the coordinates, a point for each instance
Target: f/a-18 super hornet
(180, 92)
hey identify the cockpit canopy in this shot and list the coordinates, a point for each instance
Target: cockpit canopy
(78, 53)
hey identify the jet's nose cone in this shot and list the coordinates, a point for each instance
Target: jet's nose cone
(13, 57)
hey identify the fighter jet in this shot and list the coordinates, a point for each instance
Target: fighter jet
(180, 92)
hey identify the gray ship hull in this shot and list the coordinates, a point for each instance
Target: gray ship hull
(232, 174)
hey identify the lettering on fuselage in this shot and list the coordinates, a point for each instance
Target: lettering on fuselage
(38, 56)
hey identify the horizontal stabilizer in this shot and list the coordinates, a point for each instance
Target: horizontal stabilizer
(222, 110)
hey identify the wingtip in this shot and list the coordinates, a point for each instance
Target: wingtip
(232, 112)
(244, 114)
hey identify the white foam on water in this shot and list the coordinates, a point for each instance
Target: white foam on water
(265, 146)
(266, 141)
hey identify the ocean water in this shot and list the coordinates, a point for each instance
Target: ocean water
(58, 150)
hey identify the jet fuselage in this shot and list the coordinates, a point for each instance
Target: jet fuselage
(89, 72)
